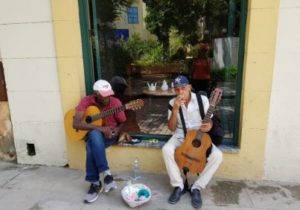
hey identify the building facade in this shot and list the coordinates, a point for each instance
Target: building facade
(41, 49)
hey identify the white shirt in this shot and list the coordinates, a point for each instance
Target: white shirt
(191, 115)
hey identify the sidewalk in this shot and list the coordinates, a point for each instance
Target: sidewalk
(24, 187)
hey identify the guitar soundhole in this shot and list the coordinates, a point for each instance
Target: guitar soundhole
(196, 143)
(88, 119)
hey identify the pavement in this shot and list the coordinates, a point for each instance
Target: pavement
(34, 187)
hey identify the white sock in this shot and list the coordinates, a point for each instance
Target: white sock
(96, 183)
(107, 172)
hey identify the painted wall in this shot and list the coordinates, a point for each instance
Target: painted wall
(139, 28)
(282, 149)
(30, 66)
(66, 26)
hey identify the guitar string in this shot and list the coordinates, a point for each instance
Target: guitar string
(206, 118)
(107, 113)
(110, 112)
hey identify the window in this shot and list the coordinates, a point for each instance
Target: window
(121, 34)
(133, 15)
(168, 42)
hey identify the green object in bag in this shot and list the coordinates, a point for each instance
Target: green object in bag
(143, 192)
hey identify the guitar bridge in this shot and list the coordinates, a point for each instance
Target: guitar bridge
(189, 157)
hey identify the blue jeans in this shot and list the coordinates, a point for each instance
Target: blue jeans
(96, 161)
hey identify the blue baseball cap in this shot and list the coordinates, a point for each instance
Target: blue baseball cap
(181, 81)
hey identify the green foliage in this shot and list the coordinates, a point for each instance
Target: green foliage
(121, 60)
(133, 46)
(216, 17)
(109, 10)
(231, 73)
(224, 74)
(163, 15)
(153, 56)
(143, 52)
(176, 43)
(185, 16)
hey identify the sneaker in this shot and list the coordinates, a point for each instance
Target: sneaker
(93, 193)
(109, 183)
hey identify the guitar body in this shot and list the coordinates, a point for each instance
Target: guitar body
(192, 153)
(75, 134)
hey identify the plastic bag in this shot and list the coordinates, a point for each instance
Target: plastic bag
(136, 194)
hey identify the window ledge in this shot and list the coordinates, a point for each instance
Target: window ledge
(148, 140)
(160, 140)
(160, 144)
(144, 143)
(229, 149)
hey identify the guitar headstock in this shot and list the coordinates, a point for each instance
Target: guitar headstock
(215, 96)
(135, 104)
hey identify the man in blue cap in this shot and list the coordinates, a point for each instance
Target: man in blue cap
(187, 101)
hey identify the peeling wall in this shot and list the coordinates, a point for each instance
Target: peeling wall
(7, 147)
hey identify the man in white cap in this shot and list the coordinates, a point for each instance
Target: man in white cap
(99, 137)
(187, 101)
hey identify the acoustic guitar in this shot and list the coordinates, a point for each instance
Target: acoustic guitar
(191, 155)
(94, 116)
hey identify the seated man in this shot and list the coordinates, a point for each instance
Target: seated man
(187, 100)
(99, 137)
(119, 86)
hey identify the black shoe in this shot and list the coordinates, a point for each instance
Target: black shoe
(175, 196)
(196, 198)
(93, 192)
(109, 183)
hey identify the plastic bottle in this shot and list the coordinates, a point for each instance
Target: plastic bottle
(136, 170)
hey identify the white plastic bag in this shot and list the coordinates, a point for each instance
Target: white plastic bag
(136, 194)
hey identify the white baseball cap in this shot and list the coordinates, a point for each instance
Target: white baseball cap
(103, 87)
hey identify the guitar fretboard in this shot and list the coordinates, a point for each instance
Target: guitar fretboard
(107, 113)
(209, 112)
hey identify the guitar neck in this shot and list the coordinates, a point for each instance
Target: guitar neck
(205, 120)
(108, 113)
(208, 114)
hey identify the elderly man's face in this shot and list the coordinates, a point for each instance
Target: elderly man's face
(183, 91)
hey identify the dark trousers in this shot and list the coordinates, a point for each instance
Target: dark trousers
(96, 161)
